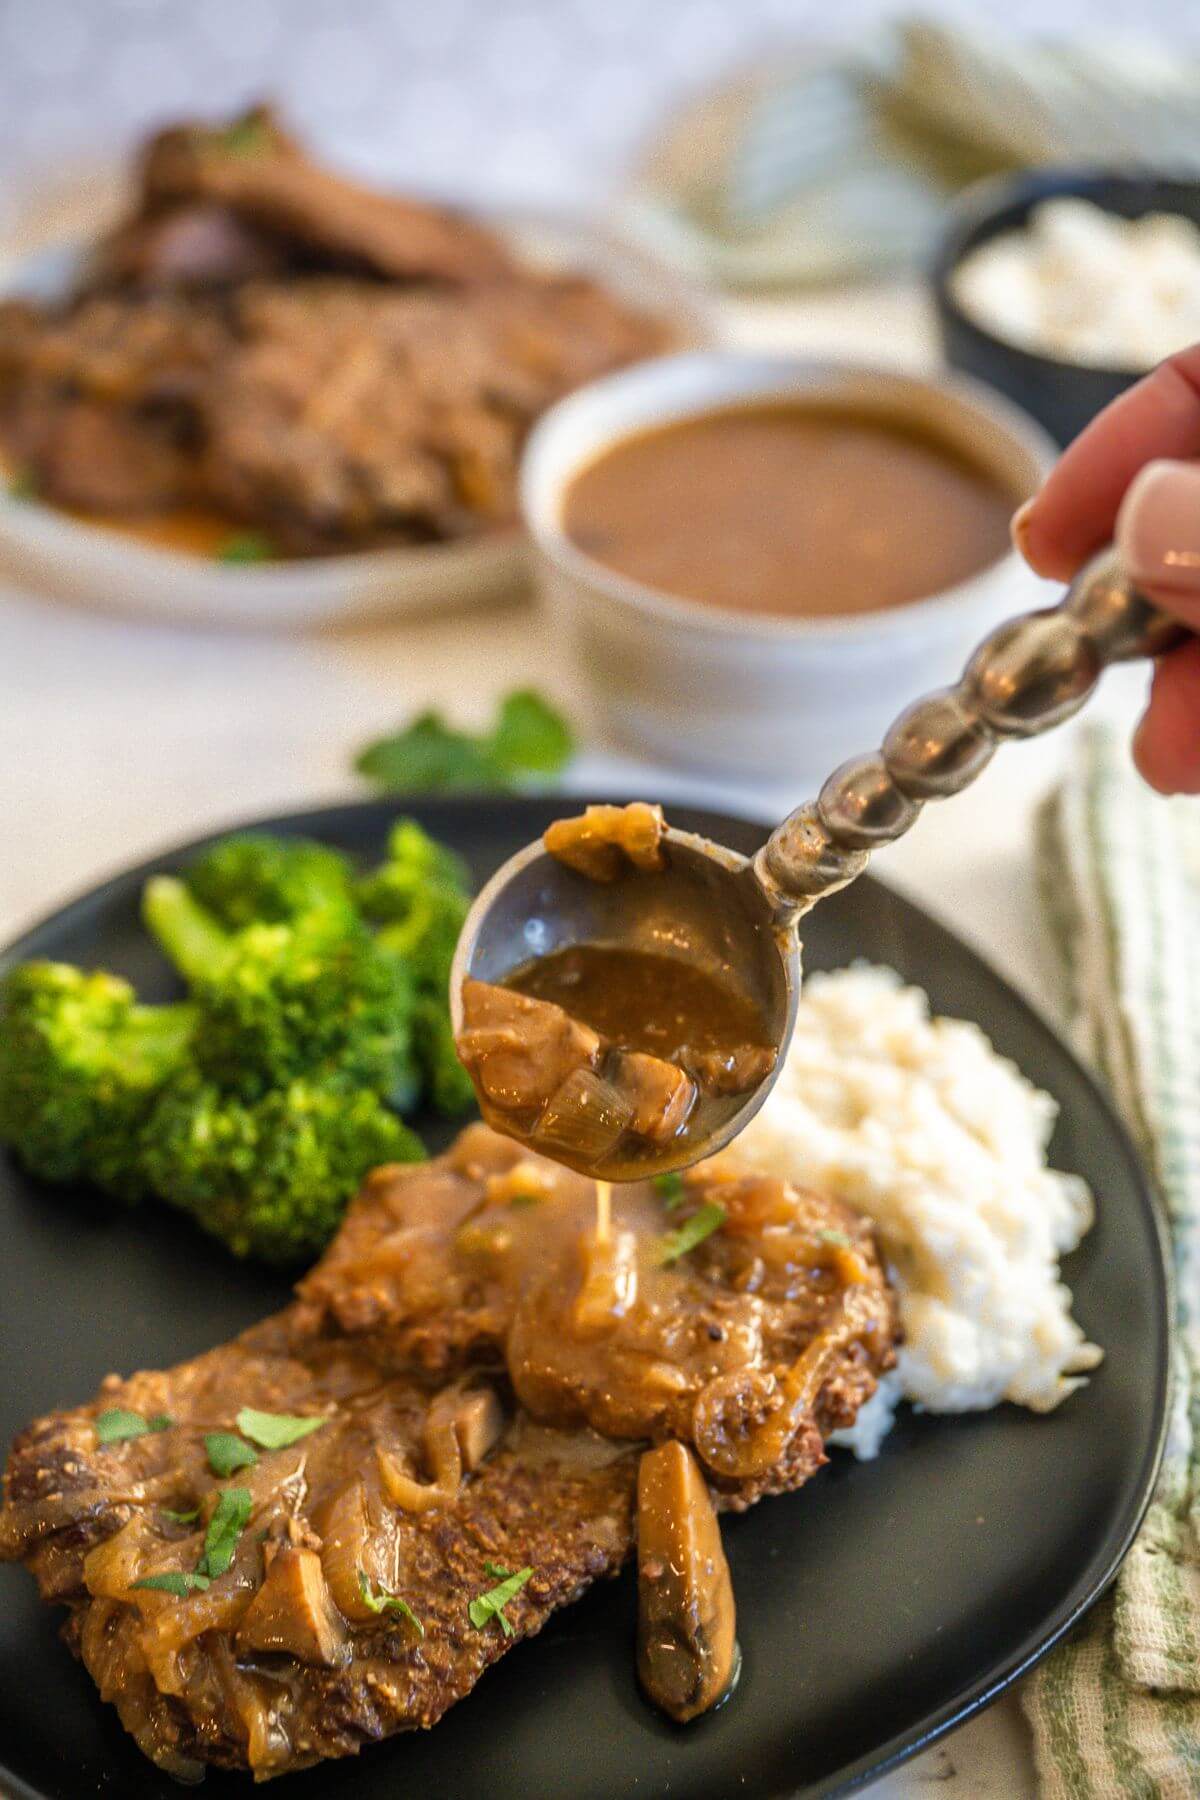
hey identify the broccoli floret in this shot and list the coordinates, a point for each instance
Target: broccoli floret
(253, 878)
(271, 1177)
(292, 1001)
(278, 1002)
(81, 1062)
(419, 898)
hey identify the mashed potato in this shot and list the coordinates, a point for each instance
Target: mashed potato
(922, 1126)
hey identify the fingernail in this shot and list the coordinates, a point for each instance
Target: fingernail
(1019, 528)
(1158, 526)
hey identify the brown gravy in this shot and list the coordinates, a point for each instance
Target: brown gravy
(790, 510)
(602, 1057)
(640, 1000)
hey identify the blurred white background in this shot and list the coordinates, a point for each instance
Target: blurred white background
(532, 99)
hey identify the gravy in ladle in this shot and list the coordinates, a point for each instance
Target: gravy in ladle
(601, 1055)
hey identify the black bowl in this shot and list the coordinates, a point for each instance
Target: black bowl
(1063, 396)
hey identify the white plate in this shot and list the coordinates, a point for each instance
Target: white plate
(51, 553)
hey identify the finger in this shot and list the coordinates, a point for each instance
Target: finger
(1166, 744)
(1158, 536)
(1074, 514)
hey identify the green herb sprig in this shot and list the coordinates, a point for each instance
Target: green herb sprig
(180, 1582)
(486, 1607)
(246, 547)
(231, 1515)
(118, 1424)
(227, 1453)
(380, 1601)
(703, 1222)
(275, 1431)
(528, 740)
(23, 484)
(245, 137)
(670, 1188)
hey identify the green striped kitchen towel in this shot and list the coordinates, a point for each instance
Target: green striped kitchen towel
(1116, 1709)
(829, 159)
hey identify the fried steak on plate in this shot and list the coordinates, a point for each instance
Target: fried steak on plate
(483, 1402)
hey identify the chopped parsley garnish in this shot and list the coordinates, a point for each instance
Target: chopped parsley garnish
(180, 1518)
(379, 1601)
(230, 1517)
(670, 1186)
(245, 137)
(226, 1453)
(838, 1238)
(118, 1424)
(245, 547)
(703, 1222)
(180, 1582)
(23, 484)
(489, 1606)
(522, 1200)
(275, 1431)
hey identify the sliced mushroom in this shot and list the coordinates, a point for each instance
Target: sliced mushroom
(729, 1071)
(518, 1050)
(478, 1424)
(292, 1613)
(461, 1426)
(687, 1648)
(662, 1095)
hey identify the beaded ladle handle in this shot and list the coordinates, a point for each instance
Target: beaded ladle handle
(1027, 676)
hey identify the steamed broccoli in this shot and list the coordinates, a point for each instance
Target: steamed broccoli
(253, 878)
(316, 1009)
(276, 1002)
(270, 1177)
(419, 898)
(81, 1063)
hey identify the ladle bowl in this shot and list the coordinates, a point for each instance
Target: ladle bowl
(707, 905)
(739, 917)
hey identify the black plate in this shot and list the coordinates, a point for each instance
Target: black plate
(876, 1608)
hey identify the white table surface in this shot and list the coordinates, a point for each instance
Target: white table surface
(118, 739)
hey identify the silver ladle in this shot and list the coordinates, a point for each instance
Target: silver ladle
(1027, 676)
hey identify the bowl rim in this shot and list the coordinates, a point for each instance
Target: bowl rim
(544, 526)
(975, 210)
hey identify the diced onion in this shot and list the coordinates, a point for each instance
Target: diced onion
(586, 1115)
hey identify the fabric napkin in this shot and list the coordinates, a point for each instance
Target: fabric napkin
(829, 162)
(1115, 1710)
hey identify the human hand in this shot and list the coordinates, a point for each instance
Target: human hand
(1133, 477)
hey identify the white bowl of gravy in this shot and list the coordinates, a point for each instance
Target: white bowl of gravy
(759, 560)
